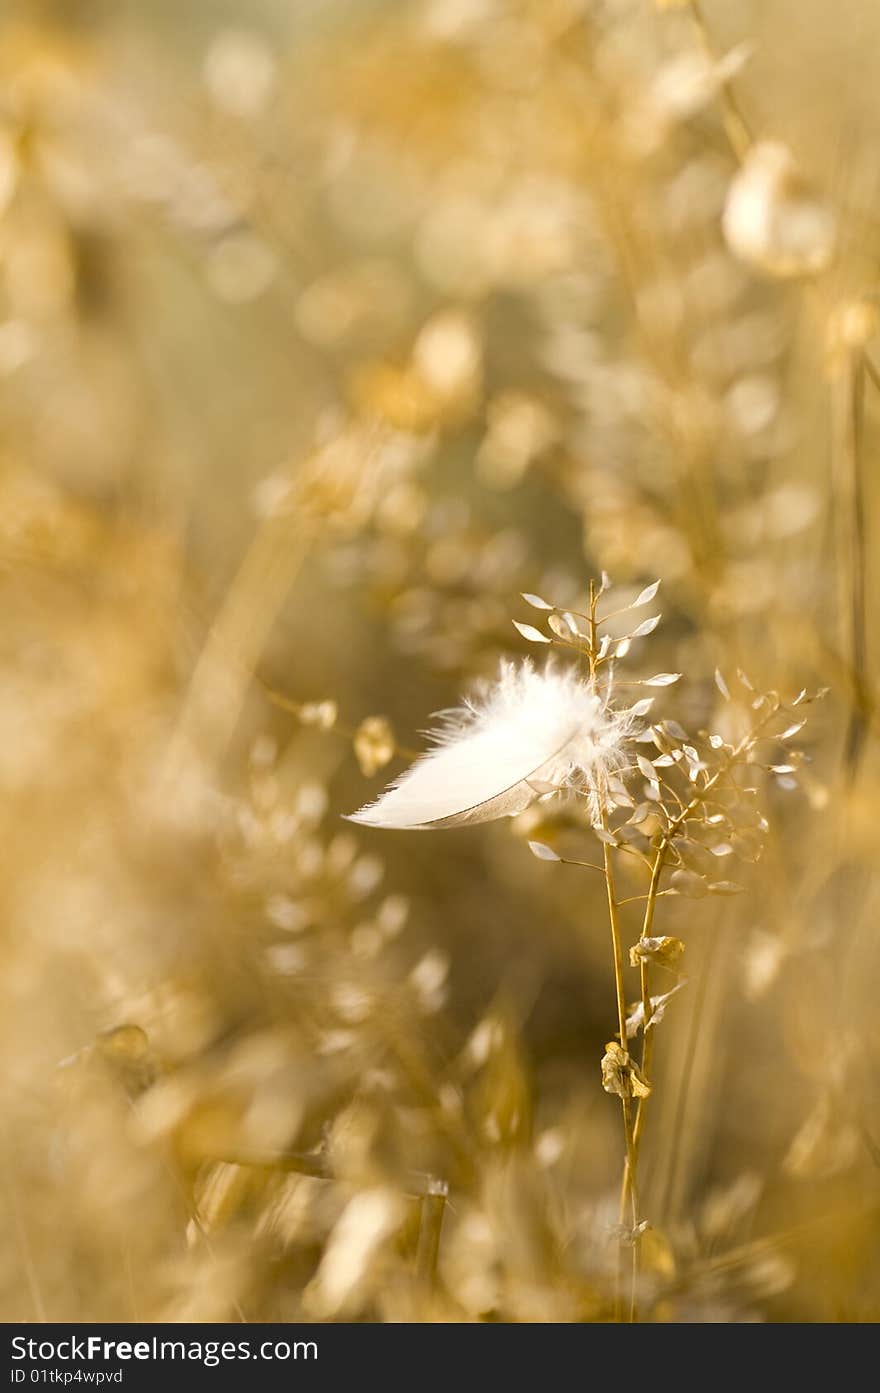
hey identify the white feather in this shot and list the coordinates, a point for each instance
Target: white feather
(546, 726)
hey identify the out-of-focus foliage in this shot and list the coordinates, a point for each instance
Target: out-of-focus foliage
(326, 328)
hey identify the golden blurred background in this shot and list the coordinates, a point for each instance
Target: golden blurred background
(327, 327)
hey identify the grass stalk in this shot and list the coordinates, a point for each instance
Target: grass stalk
(630, 1165)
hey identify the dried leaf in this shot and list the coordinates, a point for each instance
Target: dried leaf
(645, 595)
(543, 851)
(625, 1233)
(792, 730)
(695, 856)
(558, 625)
(647, 626)
(635, 1018)
(722, 685)
(825, 1144)
(542, 787)
(631, 836)
(646, 768)
(675, 730)
(621, 1075)
(536, 602)
(658, 734)
(661, 950)
(662, 679)
(530, 633)
(688, 883)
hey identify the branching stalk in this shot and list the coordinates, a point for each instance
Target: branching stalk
(617, 956)
(654, 892)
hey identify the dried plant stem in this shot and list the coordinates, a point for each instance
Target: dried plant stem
(848, 481)
(617, 958)
(647, 1036)
(654, 893)
(236, 640)
(617, 952)
(24, 1249)
(432, 1208)
(630, 1162)
(698, 1030)
(736, 128)
(296, 708)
